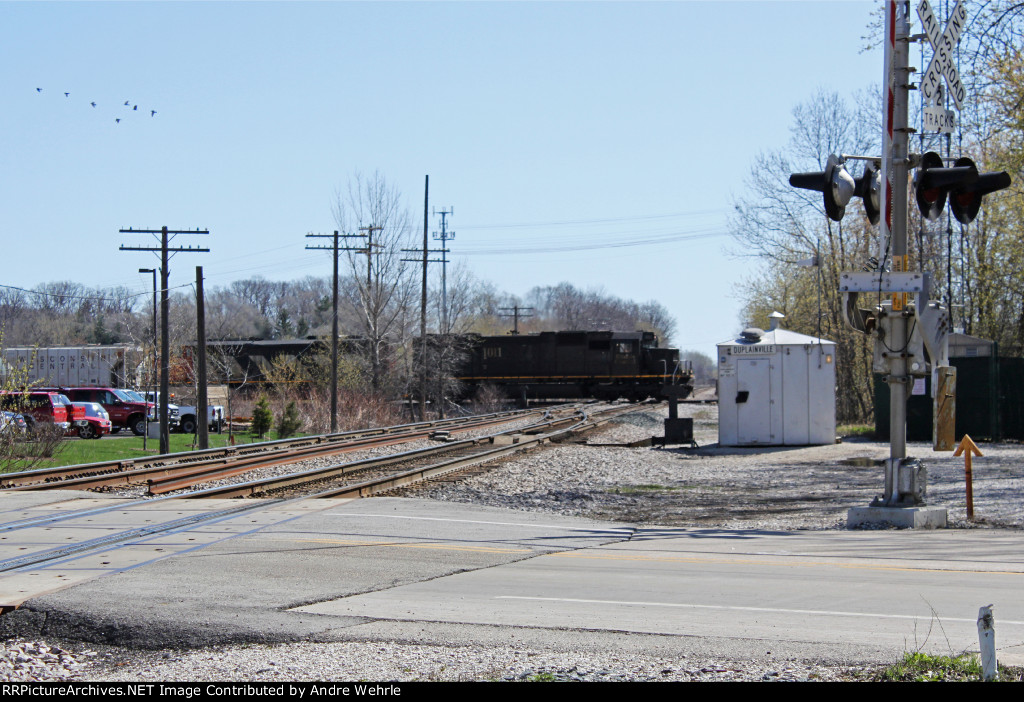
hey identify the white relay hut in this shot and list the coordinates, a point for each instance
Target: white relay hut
(776, 388)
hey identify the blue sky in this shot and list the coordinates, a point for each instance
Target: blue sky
(545, 125)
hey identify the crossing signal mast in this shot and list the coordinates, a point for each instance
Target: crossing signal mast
(910, 330)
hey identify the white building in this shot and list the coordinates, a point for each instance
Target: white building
(776, 388)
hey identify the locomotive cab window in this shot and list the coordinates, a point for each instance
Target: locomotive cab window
(623, 347)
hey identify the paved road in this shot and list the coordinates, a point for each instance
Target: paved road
(416, 570)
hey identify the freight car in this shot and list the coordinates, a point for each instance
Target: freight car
(575, 364)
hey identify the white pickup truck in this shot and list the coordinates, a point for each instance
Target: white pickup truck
(187, 415)
(188, 418)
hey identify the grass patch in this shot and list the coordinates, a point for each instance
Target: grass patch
(119, 447)
(541, 677)
(864, 431)
(922, 667)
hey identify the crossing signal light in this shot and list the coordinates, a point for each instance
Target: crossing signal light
(965, 201)
(838, 187)
(933, 182)
(834, 183)
(868, 188)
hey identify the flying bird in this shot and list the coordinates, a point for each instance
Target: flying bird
(136, 107)
(118, 120)
(67, 94)
(39, 90)
(152, 113)
(127, 102)
(93, 104)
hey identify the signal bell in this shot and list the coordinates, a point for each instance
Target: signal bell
(932, 183)
(965, 201)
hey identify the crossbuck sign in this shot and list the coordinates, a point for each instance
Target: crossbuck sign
(942, 64)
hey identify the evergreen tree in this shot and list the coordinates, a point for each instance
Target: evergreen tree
(290, 422)
(262, 417)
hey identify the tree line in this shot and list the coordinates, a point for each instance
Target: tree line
(379, 303)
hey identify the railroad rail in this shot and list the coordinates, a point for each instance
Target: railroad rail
(241, 458)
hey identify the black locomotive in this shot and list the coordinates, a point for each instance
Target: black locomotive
(575, 364)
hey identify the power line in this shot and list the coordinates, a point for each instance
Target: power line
(87, 297)
(605, 220)
(593, 245)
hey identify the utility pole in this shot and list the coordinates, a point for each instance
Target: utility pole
(373, 314)
(202, 410)
(516, 314)
(334, 318)
(369, 229)
(423, 307)
(444, 236)
(424, 259)
(165, 305)
(152, 368)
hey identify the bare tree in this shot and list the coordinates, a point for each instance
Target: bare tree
(374, 207)
(782, 225)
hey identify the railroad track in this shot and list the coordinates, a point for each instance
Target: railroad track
(234, 460)
(376, 475)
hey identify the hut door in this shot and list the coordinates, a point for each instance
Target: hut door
(753, 401)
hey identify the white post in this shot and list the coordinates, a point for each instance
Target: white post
(987, 643)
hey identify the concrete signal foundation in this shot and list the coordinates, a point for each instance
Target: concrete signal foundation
(901, 517)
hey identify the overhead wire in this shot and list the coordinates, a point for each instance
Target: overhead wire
(87, 297)
(543, 242)
(566, 222)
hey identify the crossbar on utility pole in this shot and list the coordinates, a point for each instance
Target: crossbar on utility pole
(165, 252)
(516, 314)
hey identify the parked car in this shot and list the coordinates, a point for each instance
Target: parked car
(37, 407)
(96, 422)
(125, 412)
(76, 414)
(12, 423)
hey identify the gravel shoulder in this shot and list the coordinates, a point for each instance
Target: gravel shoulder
(599, 477)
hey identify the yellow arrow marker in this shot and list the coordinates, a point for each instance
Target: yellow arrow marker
(967, 447)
